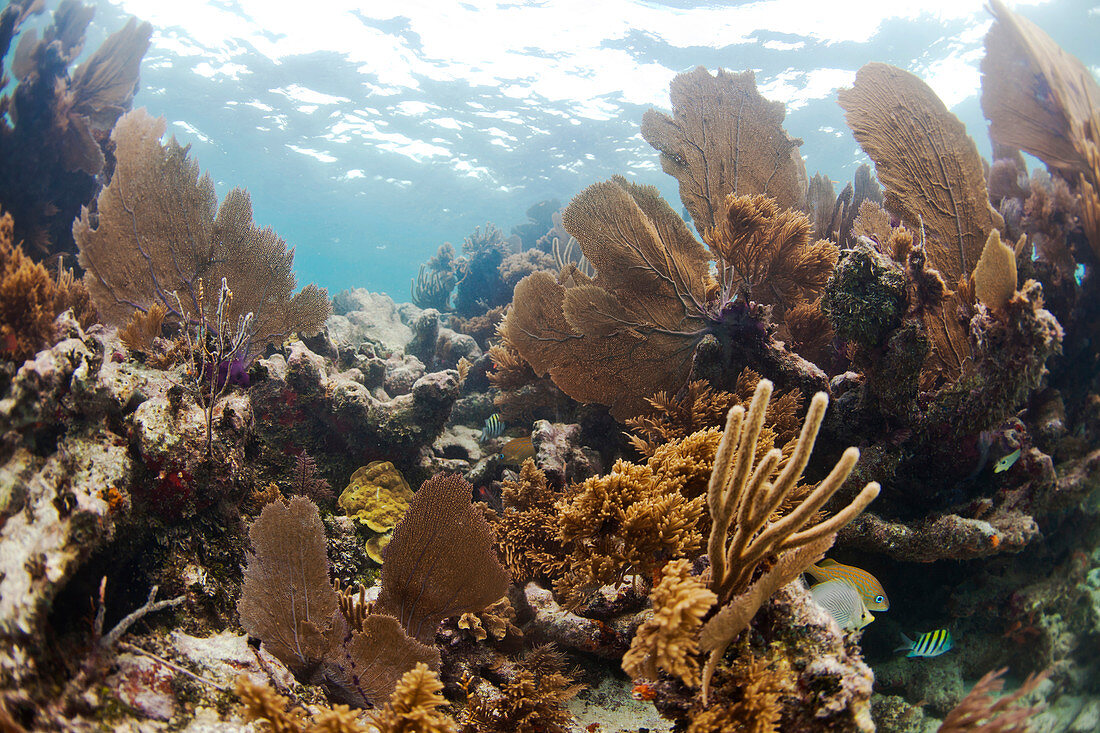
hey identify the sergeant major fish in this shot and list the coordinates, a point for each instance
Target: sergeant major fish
(494, 427)
(874, 596)
(931, 644)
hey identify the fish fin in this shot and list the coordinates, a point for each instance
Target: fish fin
(825, 562)
(908, 645)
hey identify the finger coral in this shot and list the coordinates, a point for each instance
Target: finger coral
(724, 138)
(743, 494)
(668, 639)
(158, 236)
(931, 169)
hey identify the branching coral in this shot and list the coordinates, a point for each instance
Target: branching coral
(527, 528)
(668, 639)
(769, 251)
(532, 698)
(627, 521)
(159, 237)
(724, 138)
(744, 492)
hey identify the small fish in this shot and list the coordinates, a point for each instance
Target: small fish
(843, 602)
(874, 596)
(1007, 462)
(518, 450)
(932, 644)
(494, 427)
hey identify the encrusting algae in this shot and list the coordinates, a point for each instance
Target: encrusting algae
(632, 433)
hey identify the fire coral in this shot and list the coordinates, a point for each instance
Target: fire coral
(159, 234)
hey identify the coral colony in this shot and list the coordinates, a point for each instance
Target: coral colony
(587, 478)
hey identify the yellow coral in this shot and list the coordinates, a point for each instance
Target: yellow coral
(668, 639)
(377, 495)
(627, 521)
(413, 707)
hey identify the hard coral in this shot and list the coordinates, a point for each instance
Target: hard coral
(377, 496)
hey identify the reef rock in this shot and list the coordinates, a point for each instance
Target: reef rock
(360, 315)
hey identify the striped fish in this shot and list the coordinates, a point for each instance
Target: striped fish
(843, 603)
(874, 596)
(932, 644)
(494, 427)
(518, 450)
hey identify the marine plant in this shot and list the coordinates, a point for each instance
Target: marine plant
(54, 125)
(158, 236)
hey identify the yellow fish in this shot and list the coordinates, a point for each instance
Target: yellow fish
(1007, 462)
(518, 450)
(872, 592)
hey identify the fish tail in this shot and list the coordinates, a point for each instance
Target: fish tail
(907, 645)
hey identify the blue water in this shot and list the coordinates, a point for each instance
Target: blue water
(370, 133)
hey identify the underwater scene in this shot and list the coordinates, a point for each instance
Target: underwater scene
(493, 367)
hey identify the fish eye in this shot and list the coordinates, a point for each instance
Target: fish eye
(879, 599)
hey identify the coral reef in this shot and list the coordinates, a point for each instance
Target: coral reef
(166, 479)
